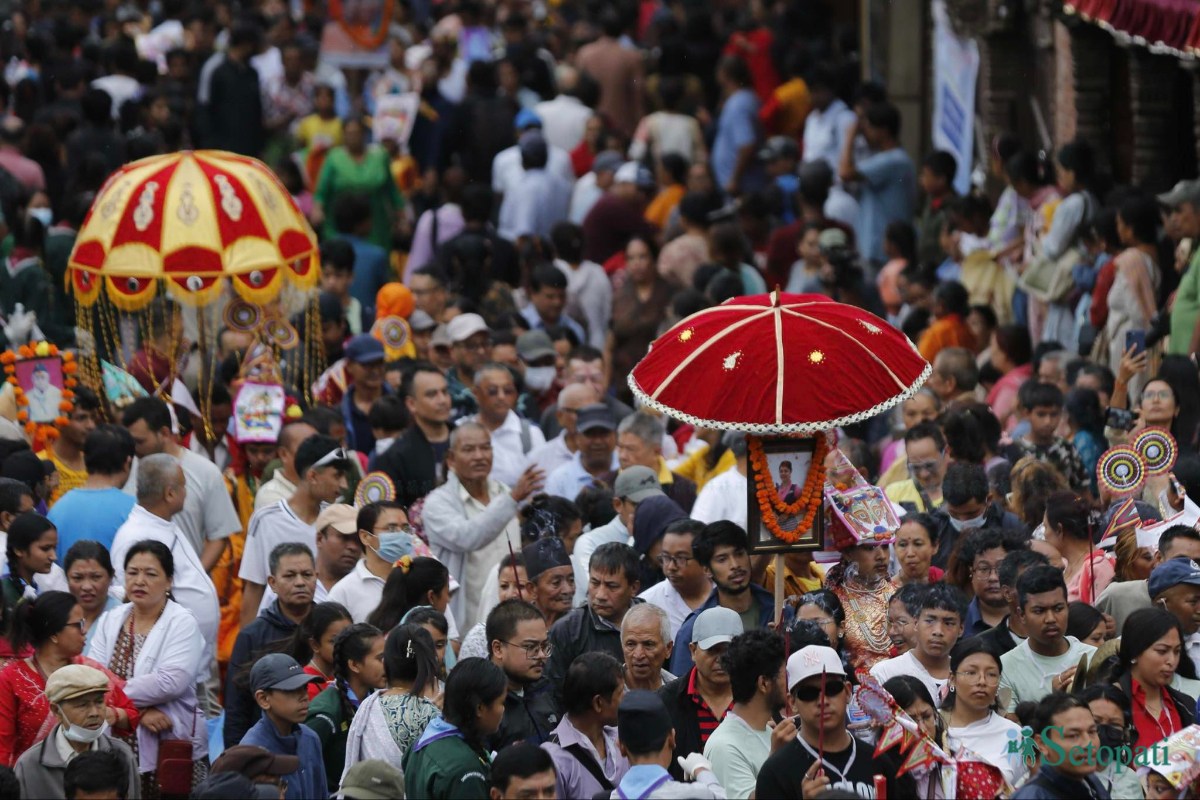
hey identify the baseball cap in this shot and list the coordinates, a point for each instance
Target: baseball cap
(74, 680)
(440, 337)
(373, 779)
(634, 483)
(364, 349)
(832, 239)
(464, 326)
(252, 762)
(779, 147)
(812, 660)
(533, 145)
(546, 553)
(1173, 572)
(633, 172)
(526, 119)
(607, 161)
(593, 416)
(534, 345)
(716, 625)
(421, 321)
(279, 671)
(232, 786)
(643, 723)
(1183, 192)
(341, 516)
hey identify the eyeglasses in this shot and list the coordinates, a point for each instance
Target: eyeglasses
(79, 623)
(823, 621)
(680, 560)
(494, 391)
(924, 466)
(984, 570)
(395, 527)
(337, 454)
(990, 677)
(1158, 394)
(810, 694)
(534, 649)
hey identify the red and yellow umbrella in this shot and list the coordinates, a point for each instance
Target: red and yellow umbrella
(192, 219)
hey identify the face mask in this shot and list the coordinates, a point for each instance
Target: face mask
(42, 215)
(394, 546)
(961, 525)
(539, 379)
(1111, 736)
(83, 735)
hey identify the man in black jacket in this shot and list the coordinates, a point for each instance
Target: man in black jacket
(517, 643)
(415, 463)
(293, 578)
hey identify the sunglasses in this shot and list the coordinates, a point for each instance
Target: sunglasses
(333, 456)
(810, 694)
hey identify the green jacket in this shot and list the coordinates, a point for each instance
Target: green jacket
(1186, 309)
(327, 718)
(929, 230)
(442, 766)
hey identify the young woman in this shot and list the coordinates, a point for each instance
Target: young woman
(825, 609)
(916, 542)
(1086, 624)
(913, 697)
(971, 710)
(1075, 169)
(1151, 647)
(358, 671)
(52, 625)
(89, 574)
(154, 644)
(1012, 357)
(1110, 708)
(1132, 300)
(30, 548)
(450, 759)
(1085, 421)
(435, 624)
(414, 582)
(640, 305)
(1068, 528)
(389, 722)
(1134, 563)
(314, 638)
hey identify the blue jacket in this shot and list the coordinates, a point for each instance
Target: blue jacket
(681, 656)
(306, 783)
(1050, 784)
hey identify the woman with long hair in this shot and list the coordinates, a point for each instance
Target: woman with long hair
(823, 608)
(1069, 525)
(358, 671)
(972, 711)
(450, 758)
(52, 627)
(1151, 649)
(312, 644)
(913, 697)
(1133, 562)
(357, 167)
(30, 550)
(1086, 624)
(1085, 421)
(1032, 482)
(1012, 357)
(389, 722)
(420, 581)
(89, 572)
(436, 625)
(640, 305)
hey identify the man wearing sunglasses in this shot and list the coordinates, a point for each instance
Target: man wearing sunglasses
(820, 694)
(321, 464)
(513, 438)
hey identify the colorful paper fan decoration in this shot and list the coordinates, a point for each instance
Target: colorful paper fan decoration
(281, 334)
(396, 336)
(242, 316)
(1121, 471)
(1158, 451)
(375, 487)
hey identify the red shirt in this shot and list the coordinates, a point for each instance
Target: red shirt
(1149, 729)
(708, 720)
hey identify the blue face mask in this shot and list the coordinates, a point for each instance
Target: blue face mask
(394, 546)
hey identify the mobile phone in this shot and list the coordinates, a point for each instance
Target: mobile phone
(1136, 340)
(1121, 419)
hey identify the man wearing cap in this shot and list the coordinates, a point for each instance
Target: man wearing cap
(649, 739)
(372, 779)
(562, 448)
(723, 549)
(618, 215)
(632, 486)
(258, 765)
(471, 520)
(76, 696)
(594, 461)
(537, 361)
(422, 326)
(321, 464)
(592, 185)
(701, 696)
(1183, 216)
(821, 693)
(639, 441)
(280, 688)
(612, 588)
(470, 342)
(513, 438)
(539, 199)
(364, 367)
(292, 586)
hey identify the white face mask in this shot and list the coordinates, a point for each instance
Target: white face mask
(539, 379)
(82, 735)
(961, 525)
(42, 215)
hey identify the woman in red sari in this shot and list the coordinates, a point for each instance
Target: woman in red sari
(53, 624)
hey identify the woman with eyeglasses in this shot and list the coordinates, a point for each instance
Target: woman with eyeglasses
(389, 722)
(53, 626)
(971, 709)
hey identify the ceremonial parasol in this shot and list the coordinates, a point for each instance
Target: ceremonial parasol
(779, 364)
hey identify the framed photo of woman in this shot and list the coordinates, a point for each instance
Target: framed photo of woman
(787, 461)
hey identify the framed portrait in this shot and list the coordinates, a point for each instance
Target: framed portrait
(787, 462)
(41, 379)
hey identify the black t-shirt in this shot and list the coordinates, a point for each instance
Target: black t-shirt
(781, 774)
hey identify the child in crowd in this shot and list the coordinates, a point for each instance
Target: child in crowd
(280, 687)
(938, 625)
(937, 184)
(1042, 406)
(337, 273)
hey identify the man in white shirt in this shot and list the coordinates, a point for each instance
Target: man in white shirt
(565, 118)
(513, 438)
(829, 122)
(724, 497)
(361, 589)
(687, 586)
(470, 520)
(591, 186)
(161, 495)
(632, 486)
(321, 464)
(589, 290)
(283, 483)
(562, 448)
(939, 624)
(208, 517)
(1046, 661)
(595, 462)
(506, 166)
(539, 199)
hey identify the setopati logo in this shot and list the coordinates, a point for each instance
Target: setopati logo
(1055, 752)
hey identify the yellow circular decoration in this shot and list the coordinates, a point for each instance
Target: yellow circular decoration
(686, 336)
(816, 357)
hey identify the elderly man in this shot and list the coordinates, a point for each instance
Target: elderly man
(592, 465)
(563, 447)
(955, 375)
(283, 483)
(161, 494)
(470, 344)
(646, 641)
(471, 520)
(513, 438)
(585, 365)
(639, 441)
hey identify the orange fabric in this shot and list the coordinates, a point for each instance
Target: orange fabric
(660, 208)
(949, 331)
(785, 111)
(394, 300)
(224, 574)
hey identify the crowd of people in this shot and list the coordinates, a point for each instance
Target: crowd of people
(558, 596)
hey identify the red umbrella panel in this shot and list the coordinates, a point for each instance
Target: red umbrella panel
(779, 364)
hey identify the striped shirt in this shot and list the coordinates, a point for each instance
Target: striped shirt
(704, 715)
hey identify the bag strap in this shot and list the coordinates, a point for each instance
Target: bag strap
(588, 762)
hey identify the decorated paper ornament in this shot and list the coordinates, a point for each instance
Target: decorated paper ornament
(242, 316)
(1157, 450)
(280, 333)
(375, 487)
(1121, 471)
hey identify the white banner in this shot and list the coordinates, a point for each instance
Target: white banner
(955, 72)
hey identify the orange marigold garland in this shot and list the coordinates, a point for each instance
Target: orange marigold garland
(41, 434)
(769, 501)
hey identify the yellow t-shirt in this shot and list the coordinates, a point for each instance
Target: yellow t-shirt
(314, 131)
(792, 583)
(905, 491)
(68, 478)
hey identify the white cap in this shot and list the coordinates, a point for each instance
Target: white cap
(812, 660)
(464, 326)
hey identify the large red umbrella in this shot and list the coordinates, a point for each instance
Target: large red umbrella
(779, 364)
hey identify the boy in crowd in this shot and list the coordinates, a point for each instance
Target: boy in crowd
(936, 179)
(647, 739)
(904, 606)
(939, 624)
(280, 687)
(1042, 406)
(337, 273)
(1062, 723)
(1010, 631)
